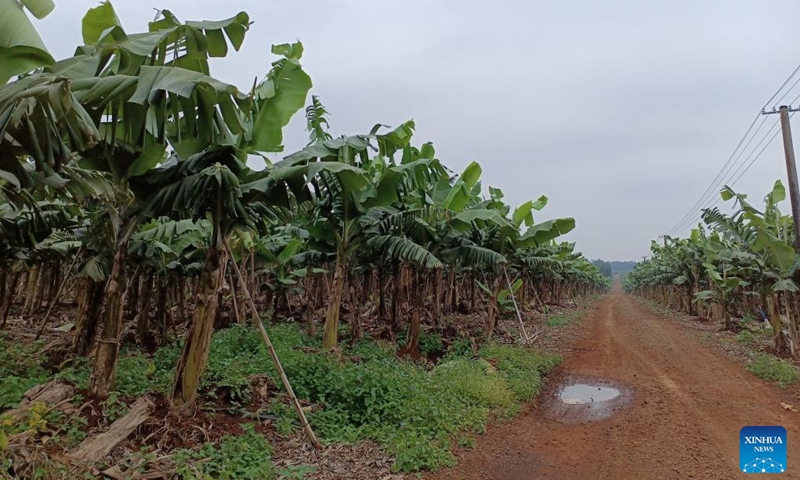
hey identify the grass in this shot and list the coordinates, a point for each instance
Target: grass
(557, 321)
(746, 337)
(773, 369)
(19, 370)
(366, 393)
(243, 457)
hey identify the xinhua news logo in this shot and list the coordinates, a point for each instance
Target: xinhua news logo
(762, 450)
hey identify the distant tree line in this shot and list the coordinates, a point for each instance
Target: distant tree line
(609, 269)
(604, 267)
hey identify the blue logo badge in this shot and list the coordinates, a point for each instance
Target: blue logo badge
(762, 449)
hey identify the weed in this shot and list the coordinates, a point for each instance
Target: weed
(461, 347)
(413, 413)
(113, 408)
(466, 442)
(77, 373)
(287, 421)
(522, 368)
(430, 344)
(557, 321)
(295, 472)
(366, 393)
(746, 337)
(245, 457)
(476, 381)
(13, 388)
(137, 374)
(369, 348)
(19, 371)
(74, 430)
(774, 369)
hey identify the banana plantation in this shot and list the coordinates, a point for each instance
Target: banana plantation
(736, 265)
(132, 220)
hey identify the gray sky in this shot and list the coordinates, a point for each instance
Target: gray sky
(622, 112)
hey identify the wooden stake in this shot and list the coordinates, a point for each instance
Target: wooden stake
(519, 316)
(233, 297)
(257, 320)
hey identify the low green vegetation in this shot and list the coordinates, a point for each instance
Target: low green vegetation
(746, 337)
(412, 412)
(557, 321)
(366, 392)
(19, 371)
(466, 442)
(242, 457)
(22, 368)
(773, 369)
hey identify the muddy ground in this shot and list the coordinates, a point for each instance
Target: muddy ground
(687, 403)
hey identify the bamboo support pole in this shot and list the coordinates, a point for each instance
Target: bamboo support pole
(257, 320)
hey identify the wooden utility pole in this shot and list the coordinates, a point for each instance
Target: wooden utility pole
(791, 168)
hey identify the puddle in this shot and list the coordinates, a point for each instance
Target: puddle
(582, 393)
(580, 399)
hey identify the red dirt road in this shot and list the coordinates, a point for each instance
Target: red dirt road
(683, 422)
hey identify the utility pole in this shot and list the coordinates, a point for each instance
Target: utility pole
(791, 167)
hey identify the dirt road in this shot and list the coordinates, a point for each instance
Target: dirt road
(689, 403)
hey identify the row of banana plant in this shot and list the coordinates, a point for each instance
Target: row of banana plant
(124, 185)
(731, 266)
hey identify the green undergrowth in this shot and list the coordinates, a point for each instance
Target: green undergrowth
(557, 321)
(20, 370)
(368, 393)
(243, 457)
(364, 392)
(21, 367)
(773, 369)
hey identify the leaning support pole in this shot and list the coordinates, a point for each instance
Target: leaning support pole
(519, 316)
(58, 295)
(257, 320)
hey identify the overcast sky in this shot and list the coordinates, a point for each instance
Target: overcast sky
(622, 112)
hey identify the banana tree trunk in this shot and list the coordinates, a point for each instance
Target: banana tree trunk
(163, 311)
(398, 297)
(10, 297)
(381, 296)
(194, 356)
(356, 328)
(330, 339)
(491, 317)
(473, 290)
(89, 303)
(414, 330)
(3, 282)
(437, 298)
(449, 294)
(104, 372)
(30, 294)
(239, 318)
(794, 312)
(142, 318)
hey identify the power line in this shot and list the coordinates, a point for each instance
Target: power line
(699, 216)
(752, 162)
(711, 185)
(762, 150)
(708, 194)
(719, 180)
(781, 87)
(714, 185)
(776, 128)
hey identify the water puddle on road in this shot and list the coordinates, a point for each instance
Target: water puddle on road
(580, 399)
(582, 393)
